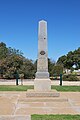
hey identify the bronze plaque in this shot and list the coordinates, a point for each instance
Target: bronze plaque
(42, 52)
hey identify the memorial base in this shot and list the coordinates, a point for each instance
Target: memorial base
(42, 85)
(33, 93)
(42, 88)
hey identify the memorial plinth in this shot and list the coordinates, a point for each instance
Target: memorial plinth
(42, 85)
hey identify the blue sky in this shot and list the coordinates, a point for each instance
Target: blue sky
(19, 25)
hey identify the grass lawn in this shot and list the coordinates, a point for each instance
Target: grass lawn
(15, 88)
(67, 88)
(55, 117)
(25, 87)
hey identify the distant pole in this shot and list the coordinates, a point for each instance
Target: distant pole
(60, 79)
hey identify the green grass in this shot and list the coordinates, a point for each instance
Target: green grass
(55, 117)
(66, 88)
(15, 88)
(25, 87)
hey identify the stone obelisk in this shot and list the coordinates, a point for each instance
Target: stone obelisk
(42, 81)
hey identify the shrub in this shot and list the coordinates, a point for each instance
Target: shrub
(70, 78)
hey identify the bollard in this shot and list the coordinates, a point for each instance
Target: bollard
(16, 81)
(60, 79)
(16, 76)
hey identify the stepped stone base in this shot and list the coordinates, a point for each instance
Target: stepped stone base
(44, 99)
(15, 117)
(33, 93)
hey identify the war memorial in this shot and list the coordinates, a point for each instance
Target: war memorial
(42, 99)
(42, 82)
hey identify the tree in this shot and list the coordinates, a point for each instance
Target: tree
(3, 50)
(51, 64)
(73, 57)
(28, 69)
(62, 60)
(9, 60)
(13, 51)
(57, 69)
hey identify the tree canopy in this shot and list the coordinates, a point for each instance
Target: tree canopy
(12, 59)
(73, 57)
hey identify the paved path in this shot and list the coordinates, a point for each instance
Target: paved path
(16, 106)
(31, 82)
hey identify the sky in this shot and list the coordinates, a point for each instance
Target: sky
(19, 25)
